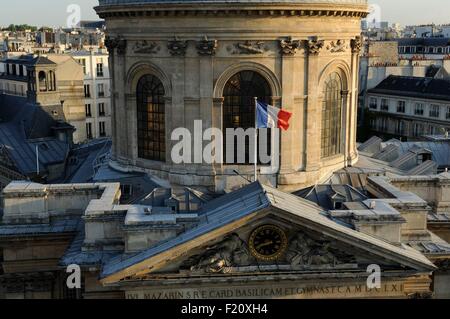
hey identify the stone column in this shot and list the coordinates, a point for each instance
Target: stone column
(111, 44)
(346, 128)
(313, 114)
(288, 147)
(356, 45)
(291, 141)
(131, 111)
(206, 49)
(217, 122)
(122, 118)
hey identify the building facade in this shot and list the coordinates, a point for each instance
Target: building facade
(179, 251)
(409, 107)
(170, 67)
(54, 82)
(97, 83)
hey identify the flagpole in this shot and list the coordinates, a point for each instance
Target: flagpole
(256, 139)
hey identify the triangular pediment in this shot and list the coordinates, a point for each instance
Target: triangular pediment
(276, 232)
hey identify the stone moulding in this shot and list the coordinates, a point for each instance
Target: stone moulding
(233, 9)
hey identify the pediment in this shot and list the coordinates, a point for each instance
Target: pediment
(314, 244)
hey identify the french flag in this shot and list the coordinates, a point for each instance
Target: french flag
(268, 116)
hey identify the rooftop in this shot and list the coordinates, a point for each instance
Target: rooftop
(419, 87)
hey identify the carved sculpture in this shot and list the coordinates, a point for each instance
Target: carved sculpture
(289, 46)
(231, 252)
(146, 47)
(116, 43)
(306, 252)
(248, 47)
(177, 47)
(315, 46)
(206, 46)
(338, 46)
(111, 43)
(356, 44)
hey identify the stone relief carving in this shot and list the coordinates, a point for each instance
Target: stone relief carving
(231, 252)
(315, 46)
(111, 43)
(248, 47)
(177, 47)
(146, 47)
(289, 46)
(116, 43)
(356, 44)
(337, 46)
(206, 46)
(306, 252)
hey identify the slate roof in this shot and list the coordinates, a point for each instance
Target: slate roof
(249, 200)
(419, 87)
(24, 125)
(440, 150)
(322, 194)
(433, 42)
(54, 227)
(30, 60)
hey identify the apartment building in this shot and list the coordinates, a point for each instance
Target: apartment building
(54, 81)
(409, 107)
(96, 91)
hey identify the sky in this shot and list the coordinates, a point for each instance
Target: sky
(54, 12)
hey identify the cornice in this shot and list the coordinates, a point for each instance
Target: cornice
(235, 9)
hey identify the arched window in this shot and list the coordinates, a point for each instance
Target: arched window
(151, 119)
(42, 81)
(332, 116)
(239, 106)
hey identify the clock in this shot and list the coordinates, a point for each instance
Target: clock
(268, 243)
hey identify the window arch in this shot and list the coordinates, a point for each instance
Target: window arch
(42, 81)
(151, 118)
(239, 106)
(332, 116)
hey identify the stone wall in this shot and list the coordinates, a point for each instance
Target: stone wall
(314, 48)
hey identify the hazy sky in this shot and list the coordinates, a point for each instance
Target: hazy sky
(53, 12)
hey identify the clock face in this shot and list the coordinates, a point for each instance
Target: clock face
(268, 243)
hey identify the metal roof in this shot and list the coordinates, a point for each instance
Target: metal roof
(252, 199)
(24, 126)
(440, 150)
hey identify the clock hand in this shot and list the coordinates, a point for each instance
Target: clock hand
(264, 244)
